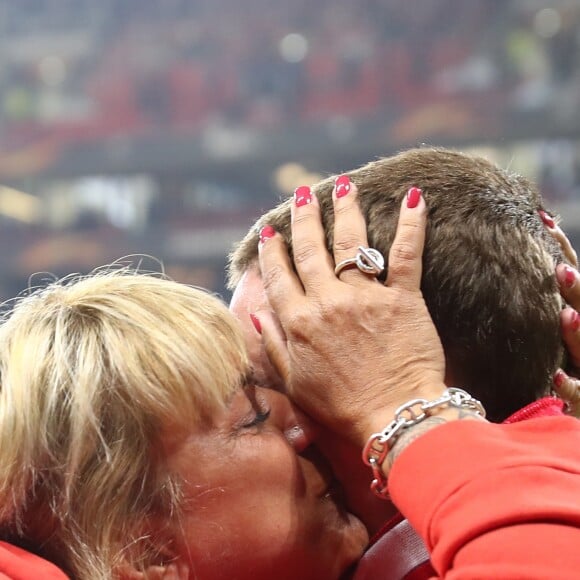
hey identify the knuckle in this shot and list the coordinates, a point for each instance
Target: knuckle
(343, 308)
(300, 324)
(303, 218)
(399, 269)
(410, 226)
(403, 252)
(345, 208)
(305, 252)
(272, 275)
(347, 241)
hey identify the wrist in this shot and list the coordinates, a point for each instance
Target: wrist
(441, 417)
(411, 421)
(384, 415)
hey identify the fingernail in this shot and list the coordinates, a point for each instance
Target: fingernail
(569, 277)
(256, 322)
(266, 233)
(559, 378)
(302, 196)
(413, 197)
(548, 220)
(341, 185)
(575, 322)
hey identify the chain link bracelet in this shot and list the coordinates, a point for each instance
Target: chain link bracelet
(411, 413)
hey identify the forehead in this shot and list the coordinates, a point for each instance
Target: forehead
(249, 294)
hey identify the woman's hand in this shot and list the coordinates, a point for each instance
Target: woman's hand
(350, 349)
(566, 384)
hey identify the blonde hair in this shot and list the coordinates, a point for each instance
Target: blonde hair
(95, 373)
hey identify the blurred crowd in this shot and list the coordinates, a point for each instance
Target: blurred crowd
(165, 126)
(86, 69)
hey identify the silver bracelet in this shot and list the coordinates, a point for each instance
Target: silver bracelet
(411, 413)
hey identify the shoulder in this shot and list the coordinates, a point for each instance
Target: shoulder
(18, 564)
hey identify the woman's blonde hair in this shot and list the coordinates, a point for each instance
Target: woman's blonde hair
(95, 373)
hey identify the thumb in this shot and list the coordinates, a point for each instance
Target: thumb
(274, 340)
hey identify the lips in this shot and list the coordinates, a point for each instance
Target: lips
(318, 472)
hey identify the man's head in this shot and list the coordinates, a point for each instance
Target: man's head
(488, 276)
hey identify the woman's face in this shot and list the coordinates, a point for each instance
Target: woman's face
(259, 503)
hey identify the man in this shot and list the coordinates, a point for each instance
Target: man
(488, 281)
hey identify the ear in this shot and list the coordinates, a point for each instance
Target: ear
(170, 571)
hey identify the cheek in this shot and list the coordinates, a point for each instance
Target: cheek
(260, 517)
(255, 517)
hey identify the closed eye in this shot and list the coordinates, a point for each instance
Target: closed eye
(261, 417)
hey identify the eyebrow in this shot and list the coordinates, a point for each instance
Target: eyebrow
(248, 378)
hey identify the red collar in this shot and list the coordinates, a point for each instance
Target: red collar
(545, 407)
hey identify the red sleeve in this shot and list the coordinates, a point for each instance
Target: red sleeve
(495, 501)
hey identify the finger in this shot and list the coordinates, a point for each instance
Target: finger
(311, 258)
(350, 231)
(405, 256)
(282, 286)
(274, 340)
(569, 282)
(568, 389)
(562, 239)
(567, 249)
(570, 323)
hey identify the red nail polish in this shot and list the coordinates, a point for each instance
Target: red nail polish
(569, 277)
(302, 196)
(256, 322)
(559, 378)
(575, 322)
(341, 185)
(266, 233)
(413, 197)
(548, 220)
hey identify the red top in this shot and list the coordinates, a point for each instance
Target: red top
(473, 508)
(397, 551)
(544, 407)
(18, 564)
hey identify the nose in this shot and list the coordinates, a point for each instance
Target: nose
(302, 432)
(298, 428)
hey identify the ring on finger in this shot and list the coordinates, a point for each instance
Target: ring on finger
(367, 260)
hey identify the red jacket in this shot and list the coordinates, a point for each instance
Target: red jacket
(398, 552)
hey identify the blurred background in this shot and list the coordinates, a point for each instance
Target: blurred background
(165, 127)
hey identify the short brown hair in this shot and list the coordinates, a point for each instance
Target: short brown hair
(488, 276)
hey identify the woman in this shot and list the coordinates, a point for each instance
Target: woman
(135, 444)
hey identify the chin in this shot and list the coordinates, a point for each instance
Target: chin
(336, 495)
(351, 539)
(358, 537)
